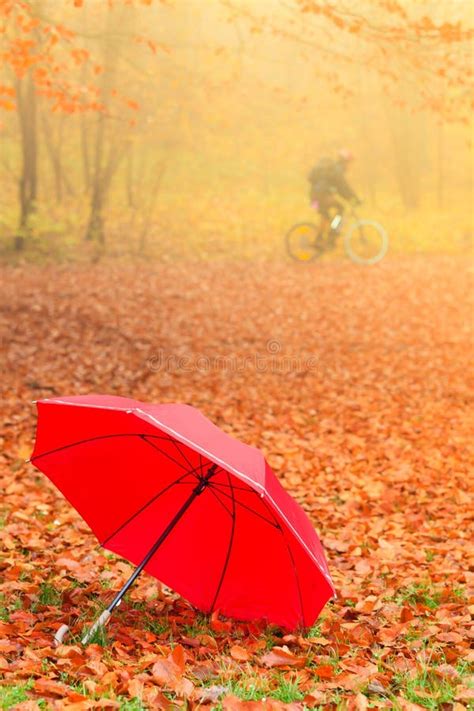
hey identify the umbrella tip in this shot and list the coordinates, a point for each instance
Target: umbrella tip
(28, 460)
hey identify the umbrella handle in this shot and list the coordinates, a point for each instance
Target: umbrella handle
(62, 632)
(100, 622)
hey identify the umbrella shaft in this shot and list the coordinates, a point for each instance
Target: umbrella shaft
(196, 492)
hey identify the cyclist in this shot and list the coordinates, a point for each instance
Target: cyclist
(328, 181)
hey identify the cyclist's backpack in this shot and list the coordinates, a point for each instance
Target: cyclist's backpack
(321, 170)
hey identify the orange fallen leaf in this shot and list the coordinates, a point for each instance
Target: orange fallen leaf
(279, 656)
(165, 672)
(324, 671)
(220, 625)
(406, 614)
(239, 653)
(388, 635)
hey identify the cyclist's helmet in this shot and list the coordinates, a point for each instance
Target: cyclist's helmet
(344, 154)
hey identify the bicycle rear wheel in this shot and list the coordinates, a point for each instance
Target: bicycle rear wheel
(302, 242)
(366, 242)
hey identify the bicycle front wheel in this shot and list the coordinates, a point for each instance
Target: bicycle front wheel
(366, 242)
(302, 242)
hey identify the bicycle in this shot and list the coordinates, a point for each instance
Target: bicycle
(365, 241)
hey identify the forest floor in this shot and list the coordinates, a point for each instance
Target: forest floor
(355, 382)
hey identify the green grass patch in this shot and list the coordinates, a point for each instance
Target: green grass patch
(132, 704)
(99, 637)
(12, 695)
(255, 688)
(459, 594)
(199, 626)
(429, 690)
(8, 606)
(140, 605)
(4, 609)
(426, 690)
(156, 625)
(73, 683)
(314, 631)
(425, 593)
(271, 635)
(413, 633)
(422, 592)
(287, 691)
(49, 595)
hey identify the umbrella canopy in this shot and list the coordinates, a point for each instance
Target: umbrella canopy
(163, 486)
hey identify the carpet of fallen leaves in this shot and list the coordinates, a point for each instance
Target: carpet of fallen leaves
(355, 382)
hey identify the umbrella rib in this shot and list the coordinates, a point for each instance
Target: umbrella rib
(182, 453)
(161, 451)
(277, 525)
(140, 510)
(211, 489)
(200, 448)
(229, 549)
(83, 441)
(109, 436)
(192, 470)
(217, 468)
(224, 493)
(290, 555)
(297, 580)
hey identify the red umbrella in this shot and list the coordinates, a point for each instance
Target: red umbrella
(163, 487)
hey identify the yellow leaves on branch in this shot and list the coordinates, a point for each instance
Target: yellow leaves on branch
(50, 53)
(79, 55)
(424, 27)
(7, 104)
(7, 94)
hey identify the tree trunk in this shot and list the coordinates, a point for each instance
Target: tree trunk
(149, 210)
(28, 184)
(95, 227)
(107, 151)
(85, 151)
(440, 161)
(129, 175)
(61, 179)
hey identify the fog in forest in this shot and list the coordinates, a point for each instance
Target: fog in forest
(188, 128)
